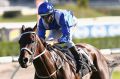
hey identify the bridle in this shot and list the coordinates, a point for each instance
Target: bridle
(35, 57)
(34, 45)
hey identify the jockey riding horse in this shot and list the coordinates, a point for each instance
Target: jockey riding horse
(61, 24)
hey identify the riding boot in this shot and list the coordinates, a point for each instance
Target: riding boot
(77, 57)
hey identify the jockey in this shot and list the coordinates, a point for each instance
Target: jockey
(61, 24)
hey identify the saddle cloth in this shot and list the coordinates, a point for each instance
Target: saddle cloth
(85, 64)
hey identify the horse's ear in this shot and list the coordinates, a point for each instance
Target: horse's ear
(35, 27)
(22, 29)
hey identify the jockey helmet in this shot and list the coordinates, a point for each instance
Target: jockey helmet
(45, 9)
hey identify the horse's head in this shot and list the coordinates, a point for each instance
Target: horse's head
(27, 45)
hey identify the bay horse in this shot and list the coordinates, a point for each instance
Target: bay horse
(53, 64)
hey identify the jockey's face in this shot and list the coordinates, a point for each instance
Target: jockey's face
(48, 18)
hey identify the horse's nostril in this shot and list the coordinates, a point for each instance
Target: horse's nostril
(25, 60)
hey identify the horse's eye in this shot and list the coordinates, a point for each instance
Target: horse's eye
(32, 41)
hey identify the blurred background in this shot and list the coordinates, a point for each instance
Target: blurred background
(98, 25)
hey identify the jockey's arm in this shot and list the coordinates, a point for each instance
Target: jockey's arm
(41, 31)
(65, 30)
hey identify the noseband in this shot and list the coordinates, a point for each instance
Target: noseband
(28, 50)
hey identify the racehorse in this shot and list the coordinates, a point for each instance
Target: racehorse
(50, 63)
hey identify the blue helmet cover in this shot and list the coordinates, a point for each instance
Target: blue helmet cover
(45, 8)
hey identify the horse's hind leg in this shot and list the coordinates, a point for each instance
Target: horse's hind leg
(102, 66)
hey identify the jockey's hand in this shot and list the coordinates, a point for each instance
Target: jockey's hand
(52, 42)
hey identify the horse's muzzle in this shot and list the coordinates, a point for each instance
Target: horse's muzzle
(23, 62)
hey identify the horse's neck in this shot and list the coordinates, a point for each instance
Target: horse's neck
(46, 65)
(40, 45)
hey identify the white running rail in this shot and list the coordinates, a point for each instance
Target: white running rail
(9, 59)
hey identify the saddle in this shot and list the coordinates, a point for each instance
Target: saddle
(85, 64)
